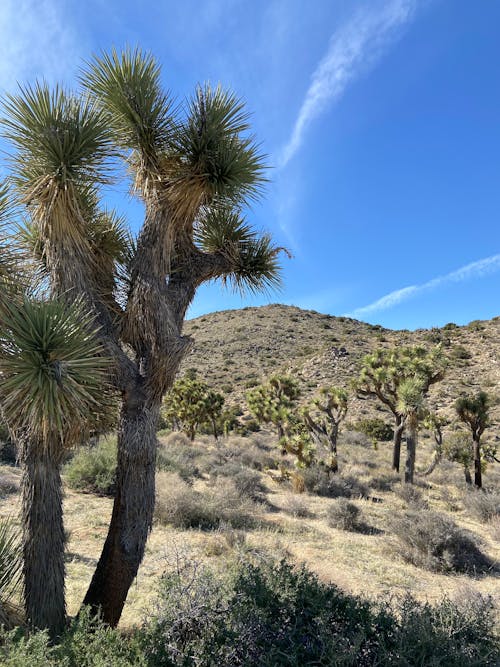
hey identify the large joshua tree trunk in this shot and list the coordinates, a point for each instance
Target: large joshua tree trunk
(43, 540)
(133, 507)
(397, 438)
(132, 510)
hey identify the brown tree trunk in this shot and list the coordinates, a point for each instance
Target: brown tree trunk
(398, 435)
(468, 478)
(43, 541)
(133, 508)
(411, 448)
(478, 479)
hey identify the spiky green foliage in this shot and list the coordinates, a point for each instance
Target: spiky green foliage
(10, 559)
(473, 410)
(458, 448)
(128, 87)
(385, 370)
(62, 141)
(212, 150)
(54, 374)
(190, 404)
(273, 401)
(252, 262)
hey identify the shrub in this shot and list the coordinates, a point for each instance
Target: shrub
(275, 615)
(412, 496)
(435, 542)
(485, 506)
(296, 507)
(319, 481)
(375, 429)
(343, 514)
(384, 482)
(93, 469)
(9, 483)
(176, 453)
(181, 506)
(460, 352)
(247, 482)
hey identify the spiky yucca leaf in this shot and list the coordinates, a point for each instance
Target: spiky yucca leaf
(59, 139)
(252, 260)
(212, 155)
(54, 375)
(10, 559)
(128, 86)
(12, 278)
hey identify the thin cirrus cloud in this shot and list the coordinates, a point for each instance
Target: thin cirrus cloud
(479, 269)
(39, 40)
(354, 47)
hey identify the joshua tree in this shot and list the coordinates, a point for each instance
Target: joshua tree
(383, 371)
(191, 403)
(271, 403)
(53, 394)
(458, 448)
(435, 423)
(194, 167)
(410, 404)
(474, 411)
(323, 417)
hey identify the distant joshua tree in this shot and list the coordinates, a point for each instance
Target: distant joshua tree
(473, 410)
(323, 416)
(382, 373)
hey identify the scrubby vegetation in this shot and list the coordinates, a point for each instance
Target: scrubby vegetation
(268, 614)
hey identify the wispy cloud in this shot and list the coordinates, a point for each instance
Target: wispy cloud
(479, 269)
(354, 47)
(39, 40)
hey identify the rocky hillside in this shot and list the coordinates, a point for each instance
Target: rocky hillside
(236, 349)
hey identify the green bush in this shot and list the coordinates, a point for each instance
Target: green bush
(93, 469)
(375, 429)
(433, 541)
(269, 614)
(275, 615)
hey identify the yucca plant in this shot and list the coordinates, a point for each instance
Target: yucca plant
(53, 395)
(194, 166)
(10, 570)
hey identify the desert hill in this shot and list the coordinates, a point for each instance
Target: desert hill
(236, 349)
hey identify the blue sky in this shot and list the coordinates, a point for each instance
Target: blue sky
(381, 120)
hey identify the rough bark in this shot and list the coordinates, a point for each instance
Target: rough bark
(397, 438)
(43, 541)
(133, 507)
(478, 478)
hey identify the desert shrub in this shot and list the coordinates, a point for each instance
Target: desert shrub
(247, 483)
(342, 514)
(296, 507)
(351, 437)
(384, 482)
(276, 615)
(8, 451)
(9, 483)
(433, 541)
(412, 496)
(181, 506)
(375, 429)
(319, 481)
(93, 469)
(176, 453)
(460, 352)
(485, 506)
